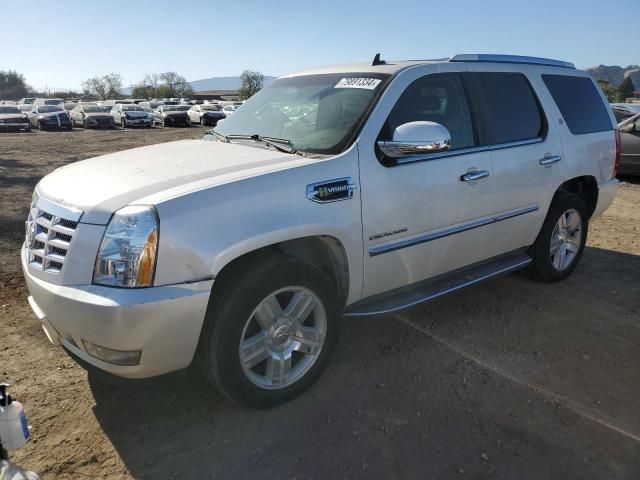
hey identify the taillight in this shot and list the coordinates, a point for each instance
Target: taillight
(616, 165)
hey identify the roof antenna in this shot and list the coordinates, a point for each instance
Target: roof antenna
(377, 61)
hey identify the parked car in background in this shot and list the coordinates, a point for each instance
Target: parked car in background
(131, 115)
(150, 106)
(622, 111)
(12, 118)
(25, 107)
(26, 101)
(122, 101)
(205, 114)
(229, 109)
(48, 101)
(50, 117)
(172, 116)
(89, 115)
(630, 145)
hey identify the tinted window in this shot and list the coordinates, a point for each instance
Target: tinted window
(434, 98)
(579, 102)
(507, 107)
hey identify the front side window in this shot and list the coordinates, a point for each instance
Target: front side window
(507, 108)
(579, 102)
(434, 98)
(315, 113)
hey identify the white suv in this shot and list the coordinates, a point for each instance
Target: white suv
(345, 191)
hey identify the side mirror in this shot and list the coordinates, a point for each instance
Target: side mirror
(416, 138)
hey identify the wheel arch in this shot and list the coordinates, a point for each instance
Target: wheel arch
(586, 187)
(326, 252)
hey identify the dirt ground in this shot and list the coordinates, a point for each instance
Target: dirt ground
(511, 379)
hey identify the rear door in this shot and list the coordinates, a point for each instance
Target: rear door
(526, 149)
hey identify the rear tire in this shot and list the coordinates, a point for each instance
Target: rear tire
(560, 243)
(255, 302)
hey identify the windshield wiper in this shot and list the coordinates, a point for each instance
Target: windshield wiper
(274, 142)
(217, 135)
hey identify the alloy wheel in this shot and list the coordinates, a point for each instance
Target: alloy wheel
(283, 337)
(566, 239)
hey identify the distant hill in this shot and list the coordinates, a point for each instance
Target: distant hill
(614, 74)
(221, 83)
(213, 83)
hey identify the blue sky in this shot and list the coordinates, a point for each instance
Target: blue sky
(64, 42)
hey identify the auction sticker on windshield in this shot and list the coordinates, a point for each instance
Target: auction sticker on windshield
(366, 83)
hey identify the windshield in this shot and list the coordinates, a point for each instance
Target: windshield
(96, 109)
(176, 108)
(4, 109)
(132, 108)
(55, 101)
(49, 109)
(26, 108)
(316, 113)
(209, 108)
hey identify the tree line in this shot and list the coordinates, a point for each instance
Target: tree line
(618, 94)
(13, 86)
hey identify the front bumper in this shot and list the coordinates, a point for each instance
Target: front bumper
(14, 124)
(171, 120)
(163, 323)
(606, 194)
(138, 122)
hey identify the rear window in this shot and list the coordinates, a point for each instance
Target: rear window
(508, 108)
(579, 102)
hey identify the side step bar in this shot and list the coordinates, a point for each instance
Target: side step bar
(432, 288)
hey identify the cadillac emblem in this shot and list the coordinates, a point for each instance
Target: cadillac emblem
(31, 234)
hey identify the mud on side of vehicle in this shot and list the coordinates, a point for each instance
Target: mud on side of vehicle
(343, 191)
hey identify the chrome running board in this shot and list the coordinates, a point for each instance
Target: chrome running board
(432, 288)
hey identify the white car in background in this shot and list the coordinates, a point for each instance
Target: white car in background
(131, 115)
(229, 110)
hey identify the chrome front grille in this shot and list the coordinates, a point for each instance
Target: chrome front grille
(48, 238)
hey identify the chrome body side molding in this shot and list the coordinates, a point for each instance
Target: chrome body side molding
(427, 237)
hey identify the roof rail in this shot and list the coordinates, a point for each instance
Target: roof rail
(484, 57)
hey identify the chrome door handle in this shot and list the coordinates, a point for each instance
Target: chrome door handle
(474, 175)
(550, 159)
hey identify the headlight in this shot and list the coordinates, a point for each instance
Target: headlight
(127, 254)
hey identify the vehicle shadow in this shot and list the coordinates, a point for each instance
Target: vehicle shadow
(394, 403)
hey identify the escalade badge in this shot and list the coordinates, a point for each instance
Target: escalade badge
(331, 190)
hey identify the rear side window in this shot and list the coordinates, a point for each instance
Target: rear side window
(508, 109)
(579, 102)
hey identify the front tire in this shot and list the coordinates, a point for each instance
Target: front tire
(560, 243)
(270, 330)
(123, 123)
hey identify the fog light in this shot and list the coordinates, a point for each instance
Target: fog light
(115, 357)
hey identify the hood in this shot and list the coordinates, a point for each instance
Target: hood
(98, 115)
(101, 185)
(12, 116)
(53, 114)
(136, 114)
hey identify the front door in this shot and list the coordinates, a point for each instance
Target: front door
(420, 217)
